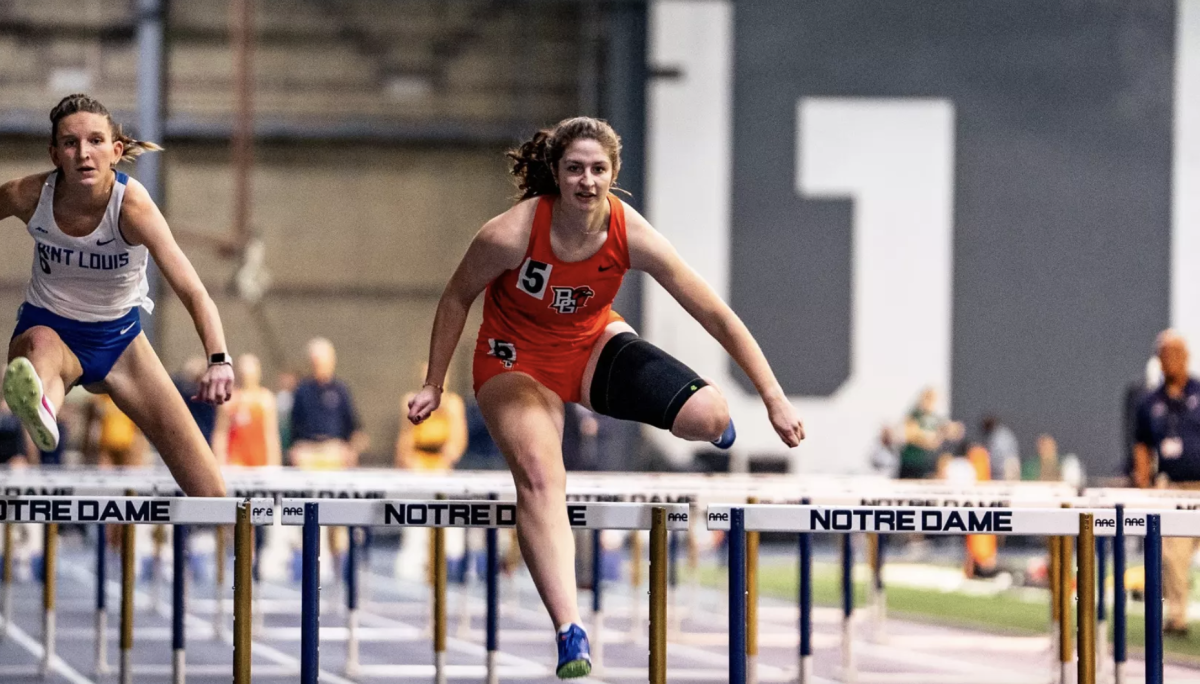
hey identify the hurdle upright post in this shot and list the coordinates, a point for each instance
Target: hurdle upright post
(352, 664)
(1101, 602)
(673, 581)
(101, 666)
(737, 596)
(493, 601)
(158, 535)
(848, 608)
(439, 604)
(1119, 598)
(806, 650)
(49, 575)
(752, 602)
(7, 579)
(597, 638)
(1086, 610)
(1066, 648)
(128, 578)
(243, 555)
(310, 595)
(1054, 544)
(658, 595)
(1154, 598)
(178, 603)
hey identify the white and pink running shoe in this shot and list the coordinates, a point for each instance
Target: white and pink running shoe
(24, 394)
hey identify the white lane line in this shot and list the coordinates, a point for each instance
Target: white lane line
(35, 649)
(293, 664)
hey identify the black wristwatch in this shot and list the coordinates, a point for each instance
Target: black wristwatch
(219, 358)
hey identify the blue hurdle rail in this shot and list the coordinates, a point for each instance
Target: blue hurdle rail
(1154, 606)
(737, 595)
(1119, 597)
(806, 649)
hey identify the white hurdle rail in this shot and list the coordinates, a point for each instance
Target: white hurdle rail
(129, 511)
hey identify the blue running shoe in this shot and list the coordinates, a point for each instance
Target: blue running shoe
(727, 438)
(574, 653)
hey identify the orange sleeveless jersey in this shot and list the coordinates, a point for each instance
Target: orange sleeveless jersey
(543, 317)
(247, 431)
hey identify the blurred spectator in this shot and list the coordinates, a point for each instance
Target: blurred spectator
(482, 452)
(1044, 467)
(187, 381)
(285, 396)
(954, 445)
(326, 431)
(883, 458)
(13, 448)
(922, 438)
(440, 440)
(111, 438)
(1004, 451)
(1168, 432)
(247, 428)
(1135, 393)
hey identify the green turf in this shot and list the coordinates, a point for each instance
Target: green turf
(1003, 612)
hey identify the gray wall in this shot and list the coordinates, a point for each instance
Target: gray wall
(1062, 209)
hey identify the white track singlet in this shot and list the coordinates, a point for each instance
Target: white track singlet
(98, 277)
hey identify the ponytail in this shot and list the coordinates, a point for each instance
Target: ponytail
(79, 102)
(134, 148)
(534, 162)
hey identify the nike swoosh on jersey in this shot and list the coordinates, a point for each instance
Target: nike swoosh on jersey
(605, 268)
(101, 243)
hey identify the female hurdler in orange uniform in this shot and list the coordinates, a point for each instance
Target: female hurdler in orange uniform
(552, 265)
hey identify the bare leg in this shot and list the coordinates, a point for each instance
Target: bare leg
(140, 387)
(56, 365)
(703, 417)
(526, 420)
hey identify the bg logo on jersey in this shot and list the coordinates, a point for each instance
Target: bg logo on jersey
(568, 300)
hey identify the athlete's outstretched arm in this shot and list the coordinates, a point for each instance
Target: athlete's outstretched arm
(143, 224)
(19, 197)
(649, 251)
(8, 200)
(497, 247)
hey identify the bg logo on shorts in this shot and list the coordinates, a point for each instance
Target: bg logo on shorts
(568, 300)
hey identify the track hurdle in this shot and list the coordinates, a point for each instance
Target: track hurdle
(130, 511)
(1085, 524)
(313, 515)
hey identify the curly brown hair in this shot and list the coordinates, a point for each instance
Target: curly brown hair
(533, 163)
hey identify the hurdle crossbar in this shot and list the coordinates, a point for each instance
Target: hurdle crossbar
(450, 513)
(50, 510)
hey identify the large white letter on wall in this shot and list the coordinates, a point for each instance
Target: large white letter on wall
(894, 158)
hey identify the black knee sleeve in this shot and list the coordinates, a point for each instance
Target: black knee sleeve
(635, 380)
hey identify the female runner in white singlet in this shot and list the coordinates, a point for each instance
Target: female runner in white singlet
(94, 229)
